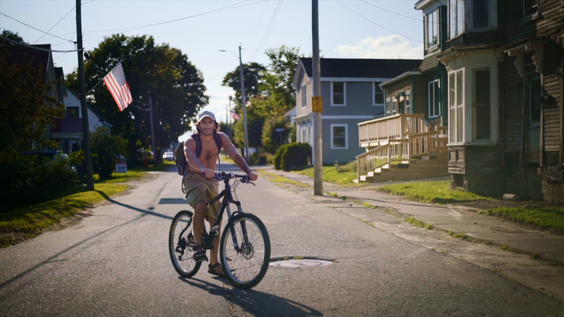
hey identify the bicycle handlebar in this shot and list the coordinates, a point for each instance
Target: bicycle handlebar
(222, 176)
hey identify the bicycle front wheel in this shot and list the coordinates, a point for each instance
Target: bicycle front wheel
(181, 244)
(245, 250)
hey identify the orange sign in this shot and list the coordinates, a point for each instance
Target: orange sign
(317, 103)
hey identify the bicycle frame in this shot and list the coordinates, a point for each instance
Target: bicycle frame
(228, 199)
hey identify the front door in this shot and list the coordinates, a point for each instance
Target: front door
(532, 144)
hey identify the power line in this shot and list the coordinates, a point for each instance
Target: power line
(55, 25)
(35, 47)
(268, 29)
(377, 23)
(34, 27)
(401, 15)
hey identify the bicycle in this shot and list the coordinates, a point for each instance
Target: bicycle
(244, 249)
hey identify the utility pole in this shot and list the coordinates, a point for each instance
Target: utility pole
(244, 103)
(83, 106)
(317, 105)
(152, 131)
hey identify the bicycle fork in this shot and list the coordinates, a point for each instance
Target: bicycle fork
(246, 247)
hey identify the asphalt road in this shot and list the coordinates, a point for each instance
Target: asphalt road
(115, 262)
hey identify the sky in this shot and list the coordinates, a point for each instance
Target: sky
(200, 29)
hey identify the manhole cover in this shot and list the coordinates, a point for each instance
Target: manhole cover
(300, 263)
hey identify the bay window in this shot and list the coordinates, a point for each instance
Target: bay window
(456, 107)
(456, 18)
(432, 26)
(482, 107)
(433, 96)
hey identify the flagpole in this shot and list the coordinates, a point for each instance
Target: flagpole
(83, 106)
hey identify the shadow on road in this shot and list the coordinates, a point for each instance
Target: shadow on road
(254, 302)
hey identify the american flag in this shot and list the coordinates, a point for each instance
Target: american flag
(118, 87)
(235, 115)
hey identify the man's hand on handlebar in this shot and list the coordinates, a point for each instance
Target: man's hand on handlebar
(252, 176)
(208, 173)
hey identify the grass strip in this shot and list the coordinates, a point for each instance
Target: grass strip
(547, 218)
(280, 179)
(336, 175)
(431, 192)
(29, 221)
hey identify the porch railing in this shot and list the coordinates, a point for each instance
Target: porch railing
(399, 126)
(413, 145)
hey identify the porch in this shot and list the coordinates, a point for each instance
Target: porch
(396, 143)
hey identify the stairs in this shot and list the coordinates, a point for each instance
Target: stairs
(426, 167)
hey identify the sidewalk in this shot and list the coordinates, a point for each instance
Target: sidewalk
(459, 219)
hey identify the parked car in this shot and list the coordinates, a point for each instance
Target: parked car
(169, 156)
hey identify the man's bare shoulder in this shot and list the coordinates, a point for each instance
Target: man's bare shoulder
(190, 143)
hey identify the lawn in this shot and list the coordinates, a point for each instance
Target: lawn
(27, 222)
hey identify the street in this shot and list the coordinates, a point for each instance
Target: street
(115, 262)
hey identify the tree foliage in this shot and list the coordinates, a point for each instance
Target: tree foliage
(157, 72)
(271, 98)
(104, 149)
(252, 77)
(7, 34)
(27, 109)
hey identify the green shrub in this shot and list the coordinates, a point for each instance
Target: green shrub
(292, 155)
(33, 180)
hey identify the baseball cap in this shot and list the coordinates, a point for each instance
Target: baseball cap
(204, 114)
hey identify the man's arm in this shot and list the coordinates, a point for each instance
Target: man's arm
(193, 161)
(236, 157)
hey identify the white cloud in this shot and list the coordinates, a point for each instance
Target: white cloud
(393, 46)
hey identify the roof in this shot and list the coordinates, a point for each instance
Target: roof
(17, 54)
(361, 67)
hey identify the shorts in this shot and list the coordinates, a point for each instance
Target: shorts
(198, 189)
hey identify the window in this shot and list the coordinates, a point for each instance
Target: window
(337, 93)
(530, 8)
(456, 98)
(378, 94)
(395, 105)
(433, 28)
(481, 14)
(388, 106)
(456, 24)
(433, 93)
(338, 136)
(72, 112)
(407, 97)
(304, 96)
(482, 106)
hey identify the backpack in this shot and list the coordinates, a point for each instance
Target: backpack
(180, 159)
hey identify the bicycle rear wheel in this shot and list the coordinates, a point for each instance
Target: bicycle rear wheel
(181, 244)
(245, 268)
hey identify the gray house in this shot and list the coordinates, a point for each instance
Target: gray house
(351, 94)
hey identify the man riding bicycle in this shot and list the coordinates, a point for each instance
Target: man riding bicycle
(201, 189)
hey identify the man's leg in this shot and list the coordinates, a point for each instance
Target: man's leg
(214, 253)
(198, 222)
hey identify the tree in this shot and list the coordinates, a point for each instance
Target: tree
(6, 34)
(252, 77)
(104, 148)
(278, 82)
(27, 109)
(153, 71)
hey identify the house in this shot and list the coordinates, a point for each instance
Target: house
(504, 66)
(500, 94)
(68, 130)
(351, 93)
(416, 117)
